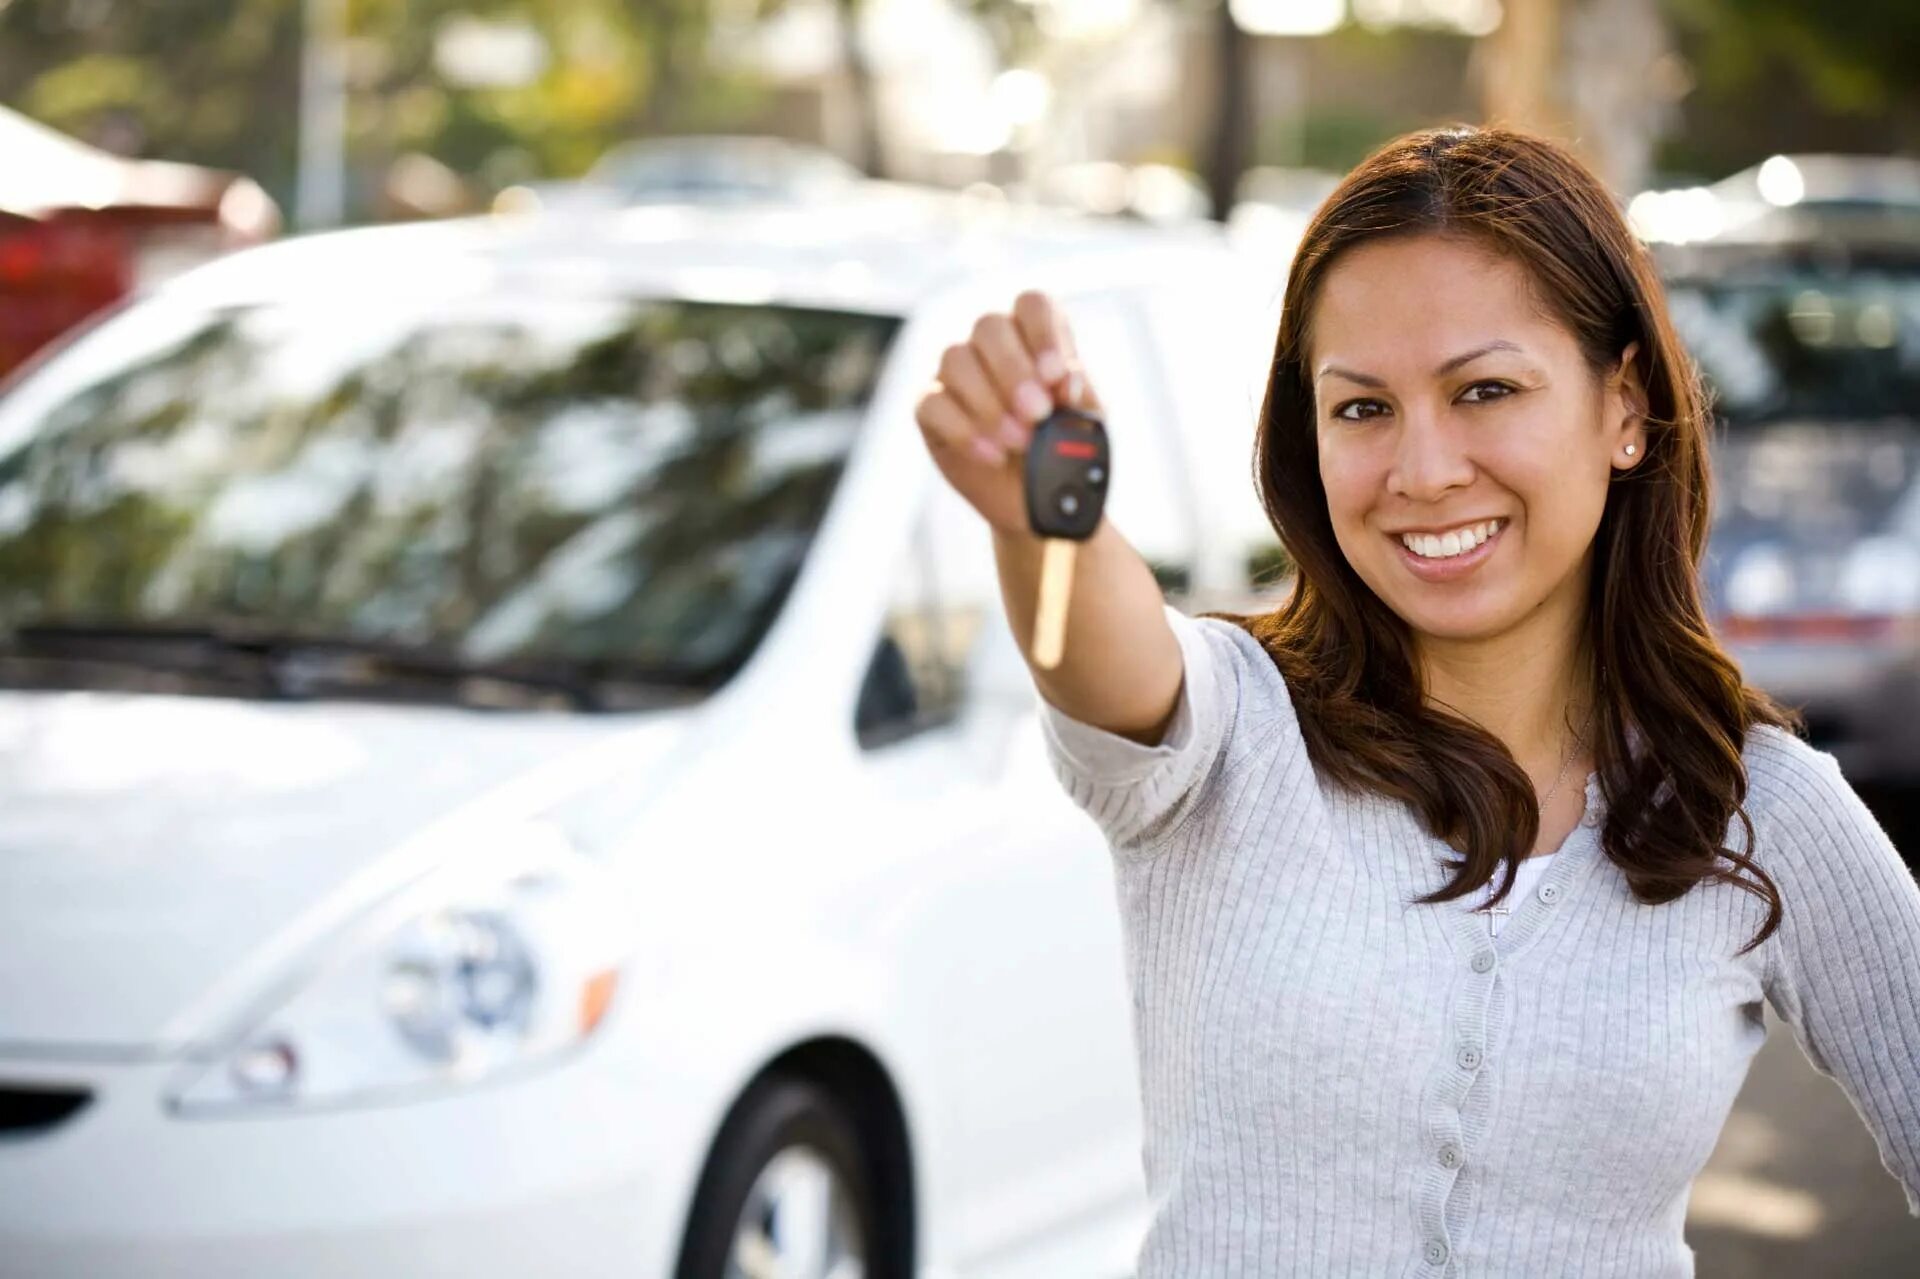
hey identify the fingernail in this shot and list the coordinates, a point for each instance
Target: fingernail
(1076, 387)
(1011, 433)
(1050, 366)
(1032, 401)
(989, 452)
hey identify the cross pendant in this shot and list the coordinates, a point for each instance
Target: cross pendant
(1493, 921)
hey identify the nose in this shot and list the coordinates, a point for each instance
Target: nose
(1429, 458)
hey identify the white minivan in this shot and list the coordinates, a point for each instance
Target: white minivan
(511, 762)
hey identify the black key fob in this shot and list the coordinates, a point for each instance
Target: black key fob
(1066, 477)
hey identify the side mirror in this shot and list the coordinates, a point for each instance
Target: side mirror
(889, 705)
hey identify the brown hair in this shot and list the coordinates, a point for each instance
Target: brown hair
(1660, 678)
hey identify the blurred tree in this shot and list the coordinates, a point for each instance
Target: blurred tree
(217, 82)
(1855, 57)
(1230, 146)
(207, 81)
(1794, 75)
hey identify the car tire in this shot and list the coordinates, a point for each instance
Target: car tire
(780, 1123)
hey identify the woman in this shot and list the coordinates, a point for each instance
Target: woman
(1487, 453)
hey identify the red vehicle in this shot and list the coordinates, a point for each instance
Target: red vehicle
(81, 228)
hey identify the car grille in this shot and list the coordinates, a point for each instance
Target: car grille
(28, 1112)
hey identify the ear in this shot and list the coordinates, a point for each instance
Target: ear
(1626, 409)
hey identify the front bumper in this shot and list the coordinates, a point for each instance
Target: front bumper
(1861, 701)
(544, 1174)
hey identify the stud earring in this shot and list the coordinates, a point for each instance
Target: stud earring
(1631, 449)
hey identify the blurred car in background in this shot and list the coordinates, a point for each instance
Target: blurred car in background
(514, 762)
(1272, 208)
(717, 169)
(1150, 192)
(1806, 324)
(80, 229)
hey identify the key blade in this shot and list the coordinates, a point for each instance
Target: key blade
(1056, 593)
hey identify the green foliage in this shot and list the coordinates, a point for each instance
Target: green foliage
(207, 81)
(1857, 57)
(217, 82)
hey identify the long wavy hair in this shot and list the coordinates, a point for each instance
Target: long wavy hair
(1659, 677)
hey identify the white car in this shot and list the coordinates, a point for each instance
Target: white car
(511, 761)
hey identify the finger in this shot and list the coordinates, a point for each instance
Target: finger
(966, 380)
(1043, 327)
(946, 425)
(1001, 350)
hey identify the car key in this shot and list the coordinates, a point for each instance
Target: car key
(1066, 485)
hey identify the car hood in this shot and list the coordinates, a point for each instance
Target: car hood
(150, 844)
(1815, 490)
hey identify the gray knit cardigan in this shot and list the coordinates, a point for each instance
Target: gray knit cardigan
(1338, 1081)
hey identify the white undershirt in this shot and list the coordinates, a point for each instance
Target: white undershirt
(1531, 869)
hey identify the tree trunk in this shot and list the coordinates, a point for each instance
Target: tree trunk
(1518, 88)
(859, 71)
(1232, 142)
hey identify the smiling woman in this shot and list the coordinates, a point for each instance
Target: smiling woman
(1486, 451)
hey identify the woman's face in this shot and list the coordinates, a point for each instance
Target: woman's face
(1445, 399)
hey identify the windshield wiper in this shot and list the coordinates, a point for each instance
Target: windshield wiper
(298, 666)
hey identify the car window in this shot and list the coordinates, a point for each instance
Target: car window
(1148, 498)
(915, 675)
(1216, 336)
(1778, 338)
(607, 480)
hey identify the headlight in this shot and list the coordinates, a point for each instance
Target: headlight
(503, 958)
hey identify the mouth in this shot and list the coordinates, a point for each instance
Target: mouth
(1448, 568)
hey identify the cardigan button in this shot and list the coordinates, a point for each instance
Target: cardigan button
(1548, 893)
(1449, 1156)
(1469, 1058)
(1483, 962)
(1436, 1251)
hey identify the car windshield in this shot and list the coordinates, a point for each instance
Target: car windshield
(1785, 337)
(608, 483)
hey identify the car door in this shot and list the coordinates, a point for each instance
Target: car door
(1054, 1183)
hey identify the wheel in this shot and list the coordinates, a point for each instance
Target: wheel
(786, 1194)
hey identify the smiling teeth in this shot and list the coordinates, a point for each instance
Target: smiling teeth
(1458, 541)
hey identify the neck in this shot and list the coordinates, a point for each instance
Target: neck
(1531, 687)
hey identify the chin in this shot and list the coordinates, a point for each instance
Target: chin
(1465, 618)
(1454, 628)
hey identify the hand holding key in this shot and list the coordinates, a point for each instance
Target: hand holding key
(991, 392)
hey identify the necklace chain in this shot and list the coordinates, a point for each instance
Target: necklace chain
(1494, 913)
(1579, 740)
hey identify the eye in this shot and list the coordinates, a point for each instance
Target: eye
(1341, 410)
(1504, 388)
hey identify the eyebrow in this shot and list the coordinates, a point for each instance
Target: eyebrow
(1445, 367)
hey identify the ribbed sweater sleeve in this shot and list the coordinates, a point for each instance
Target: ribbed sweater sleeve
(1844, 968)
(1138, 793)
